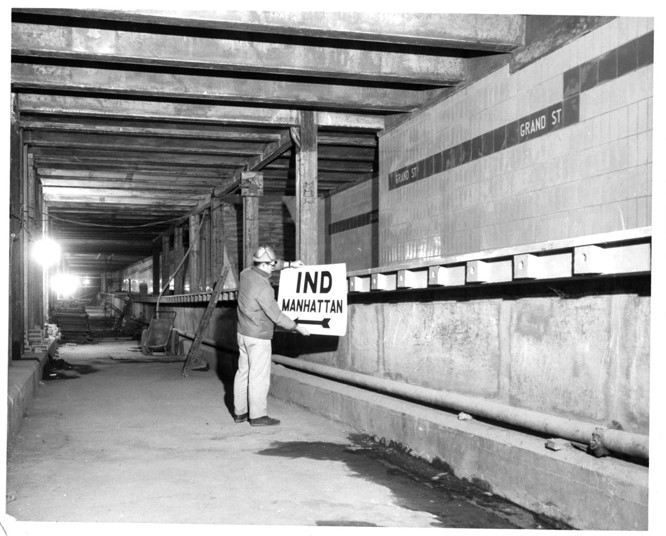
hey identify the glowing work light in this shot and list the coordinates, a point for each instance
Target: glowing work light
(46, 251)
(65, 285)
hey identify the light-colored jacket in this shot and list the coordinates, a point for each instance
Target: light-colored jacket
(258, 312)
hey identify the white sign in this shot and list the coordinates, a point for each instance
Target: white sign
(315, 297)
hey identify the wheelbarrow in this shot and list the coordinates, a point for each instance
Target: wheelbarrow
(160, 335)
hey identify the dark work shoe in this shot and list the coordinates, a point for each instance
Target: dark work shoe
(264, 421)
(241, 418)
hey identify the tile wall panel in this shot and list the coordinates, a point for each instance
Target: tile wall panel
(497, 186)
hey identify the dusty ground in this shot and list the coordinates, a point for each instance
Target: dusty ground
(121, 438)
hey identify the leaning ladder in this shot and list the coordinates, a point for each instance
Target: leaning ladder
(195, 350)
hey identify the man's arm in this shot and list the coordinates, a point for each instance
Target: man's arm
(268, 304)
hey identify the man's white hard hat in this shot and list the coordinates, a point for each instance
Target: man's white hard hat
(264, 254)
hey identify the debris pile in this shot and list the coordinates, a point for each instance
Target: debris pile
(72, 320)
(133, 326)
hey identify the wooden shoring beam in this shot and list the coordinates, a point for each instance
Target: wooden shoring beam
(271, 152)
(252, 184)
(306, 190)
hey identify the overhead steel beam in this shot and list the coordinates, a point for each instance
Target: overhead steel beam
(197, 132)
(184, 51)
(117, 82)
(137, 186)
(114, 213)
(111, 199)
(44, 155)
(228, 115)
(502, 33)
(76, 140)
(167, 174)
(182, 132)
(162, 192)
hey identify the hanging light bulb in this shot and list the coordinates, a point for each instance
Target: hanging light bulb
(65, 285)
(46, 251)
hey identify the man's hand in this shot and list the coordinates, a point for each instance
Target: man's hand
(296, 264)
(302, 330)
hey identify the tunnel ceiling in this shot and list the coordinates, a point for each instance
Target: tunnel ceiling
(133, 118)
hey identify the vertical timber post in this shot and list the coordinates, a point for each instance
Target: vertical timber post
(217, 235)
(15, 338)
(306, 190)
(26, 216)
(252, 188)
(45, 274)
(204, 251)
(34, 271)
(193, 259)
(164, 265)
(177, 257)
(156, 268)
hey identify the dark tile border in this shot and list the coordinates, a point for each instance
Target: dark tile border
(355, 221)
(608, 66)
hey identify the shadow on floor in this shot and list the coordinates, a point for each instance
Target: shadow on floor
(416, 485)
(226, 365)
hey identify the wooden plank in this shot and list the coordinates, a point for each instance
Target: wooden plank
(193, 354)
(271, 152)
(306, 190)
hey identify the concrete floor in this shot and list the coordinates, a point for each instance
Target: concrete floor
(125, 438)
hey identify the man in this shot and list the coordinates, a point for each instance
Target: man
(258, 313)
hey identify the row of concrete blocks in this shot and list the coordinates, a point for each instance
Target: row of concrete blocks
(589, 260)
(617, 253)
(568, 485)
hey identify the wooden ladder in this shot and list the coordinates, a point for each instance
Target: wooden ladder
(195, 349)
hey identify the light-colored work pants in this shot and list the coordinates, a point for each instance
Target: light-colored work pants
(253, 377)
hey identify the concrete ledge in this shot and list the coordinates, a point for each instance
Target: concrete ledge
(23, 378)
(569, 485)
